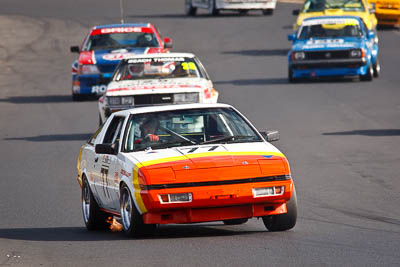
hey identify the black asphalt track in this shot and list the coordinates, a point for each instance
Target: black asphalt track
(341, 136)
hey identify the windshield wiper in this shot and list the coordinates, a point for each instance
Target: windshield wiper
(227, 138)
(179, 136)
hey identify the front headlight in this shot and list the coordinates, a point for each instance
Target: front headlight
(186, 98)
(299, 55)
(88, 69)
(113, 100)
(127, 100)
(357, 53)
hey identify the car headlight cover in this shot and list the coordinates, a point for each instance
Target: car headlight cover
(356, 53)
(175, 198)
(88, 69)
(268, 191)
(113, 100)
(186, 98)
(299, 55)
(127, 100)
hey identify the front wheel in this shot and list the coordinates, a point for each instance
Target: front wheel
(92, 216)
(212, 10)
(290, 76)
(377, 68)
(132, 221)
(286, 221)
(368, 76)
(190, 10)
(76, 97)
(268, 12)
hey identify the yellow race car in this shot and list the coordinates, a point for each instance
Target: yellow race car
(387, 11)
(359, 8)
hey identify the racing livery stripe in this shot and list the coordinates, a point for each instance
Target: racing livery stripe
(123, 55)
(120, 30)
(209, 154)
(138, 198)
(144, 87)
(212, 183)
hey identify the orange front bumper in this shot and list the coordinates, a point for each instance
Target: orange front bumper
(190, 215)
(215, 203)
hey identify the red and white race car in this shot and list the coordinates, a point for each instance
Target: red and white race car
(168, 78)
(104, 47)
(184, 164)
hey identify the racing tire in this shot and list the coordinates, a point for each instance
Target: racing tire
(93, 217)
(76, 97)
(290, 76)
(286, 221)
(368, 76)
(212, 10)
(268, 12)
(190, 10)
(235, 221)
(132, 221)
(377, 68)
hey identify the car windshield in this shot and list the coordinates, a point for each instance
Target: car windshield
(176, 128)
(121, 40)
(157, 68)
(332, 28)
(321, 5)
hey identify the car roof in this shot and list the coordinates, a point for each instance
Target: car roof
(157, 108)
(332, 17)
(153, 55)
(122, 25)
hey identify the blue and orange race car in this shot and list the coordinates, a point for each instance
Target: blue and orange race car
(104, 47)
(333, 46)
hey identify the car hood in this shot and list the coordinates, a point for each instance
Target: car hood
(134, 87)
(328, 44)
(211, 162)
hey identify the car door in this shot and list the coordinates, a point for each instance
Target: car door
(106, 173)
(89, 155)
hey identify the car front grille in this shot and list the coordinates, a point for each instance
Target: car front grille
(337, 54)
(153, 99)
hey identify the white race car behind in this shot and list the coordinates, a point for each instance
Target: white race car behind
(214, 6)
(142, 80)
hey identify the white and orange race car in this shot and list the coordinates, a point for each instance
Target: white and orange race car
(153, 79)
(185, 163)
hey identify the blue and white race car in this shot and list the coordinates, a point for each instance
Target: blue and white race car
(333, 46)
(104, 47)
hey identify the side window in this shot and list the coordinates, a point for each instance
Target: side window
(203, 72)
(117, 74)
(113, 133)
(94, 136)
(365, 28)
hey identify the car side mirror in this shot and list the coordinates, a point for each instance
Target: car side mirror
(105, 149)
(292, 37)
(74, 49)
(270, 136)
(371, 34)
(167, 42)
(372, 8)
(296, 12)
